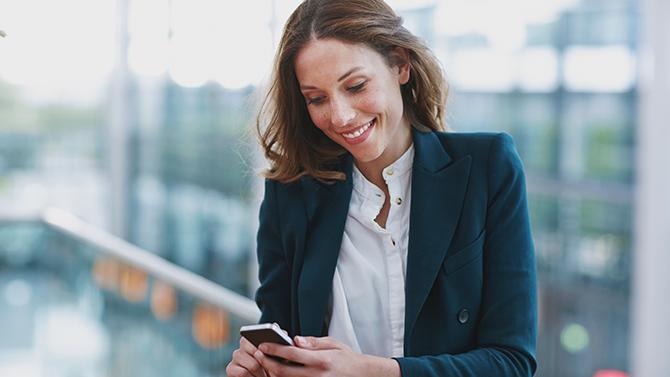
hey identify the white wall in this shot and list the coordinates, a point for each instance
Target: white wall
(650, 303)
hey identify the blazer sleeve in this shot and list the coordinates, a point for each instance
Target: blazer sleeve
(273, 295)
(507, 327)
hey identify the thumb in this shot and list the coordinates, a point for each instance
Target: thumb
(314, 343)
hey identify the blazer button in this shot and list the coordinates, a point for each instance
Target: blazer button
(463, 316)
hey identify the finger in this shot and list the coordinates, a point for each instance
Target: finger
(278, 368)
(294, 354)
(249, 363)
(314, 343)
(233, 370)
(247, 346)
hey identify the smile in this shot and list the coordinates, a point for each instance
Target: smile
(358, 132)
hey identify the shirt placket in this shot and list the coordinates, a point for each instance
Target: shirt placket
(395, 272)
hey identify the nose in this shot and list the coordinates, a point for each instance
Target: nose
(341, 112)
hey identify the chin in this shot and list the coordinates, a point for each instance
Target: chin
(366, 156)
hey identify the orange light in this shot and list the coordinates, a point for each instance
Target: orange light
(106, 273)
(163, 301)
(133, 284)
(210, 326)
(610, 373)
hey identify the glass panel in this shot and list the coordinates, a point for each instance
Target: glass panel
(72, 310)
(560, 77)
(55, 69)
(192, 179)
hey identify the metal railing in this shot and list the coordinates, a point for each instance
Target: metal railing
(170, 273)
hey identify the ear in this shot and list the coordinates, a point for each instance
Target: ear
(400, 59)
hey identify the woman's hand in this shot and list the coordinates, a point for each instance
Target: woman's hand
(322, 357)
(243, 363)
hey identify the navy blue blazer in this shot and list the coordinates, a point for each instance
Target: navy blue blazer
(470, 291)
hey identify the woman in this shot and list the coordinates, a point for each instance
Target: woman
(389, 246)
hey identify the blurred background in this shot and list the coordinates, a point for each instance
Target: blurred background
(129, 183)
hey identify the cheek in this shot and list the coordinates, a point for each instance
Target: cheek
(369, 104)
(372, 102)
(381, 100)
(394, 105)
(319, 118)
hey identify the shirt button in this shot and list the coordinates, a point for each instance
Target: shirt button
(463, 316)
(389, 172)
(398, 201)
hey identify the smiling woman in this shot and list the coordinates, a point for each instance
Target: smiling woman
(370, 37)
(357, 100)
(386, 246)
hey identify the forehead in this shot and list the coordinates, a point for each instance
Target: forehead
(326, 60)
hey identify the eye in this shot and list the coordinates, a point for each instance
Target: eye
(314, 100)
(357, 88)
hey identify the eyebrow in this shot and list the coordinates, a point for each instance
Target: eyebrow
(344, 76)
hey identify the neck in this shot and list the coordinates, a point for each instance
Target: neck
(372, 170)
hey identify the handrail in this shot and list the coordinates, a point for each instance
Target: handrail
(20, 216)
(169, 272)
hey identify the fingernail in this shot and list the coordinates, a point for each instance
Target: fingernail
(263, 348)
(258, 354)
(300, 339)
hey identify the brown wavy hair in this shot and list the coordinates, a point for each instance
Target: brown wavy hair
(293, 145)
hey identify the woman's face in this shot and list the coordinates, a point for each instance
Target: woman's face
(354, 97)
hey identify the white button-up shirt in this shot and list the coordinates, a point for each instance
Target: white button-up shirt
(368, 302)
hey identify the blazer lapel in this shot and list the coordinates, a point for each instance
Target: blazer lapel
(438, 188)
(327, 207)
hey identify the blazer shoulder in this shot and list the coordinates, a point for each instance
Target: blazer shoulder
(476, 144)
(281, 189)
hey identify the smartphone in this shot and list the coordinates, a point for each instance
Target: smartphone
(265, 333)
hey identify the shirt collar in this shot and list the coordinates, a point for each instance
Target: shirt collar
(401, 166)
(397, 169)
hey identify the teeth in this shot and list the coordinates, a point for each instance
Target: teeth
(359, 131)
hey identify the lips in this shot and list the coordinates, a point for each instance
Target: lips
(359, 131)
(359, 134)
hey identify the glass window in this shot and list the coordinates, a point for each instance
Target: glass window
(560, 77)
